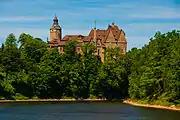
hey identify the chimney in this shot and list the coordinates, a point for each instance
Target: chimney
(95, 35)
(95, 31)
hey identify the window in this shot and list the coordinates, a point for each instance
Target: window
(78, 49)
(61, 49)
(98, 51)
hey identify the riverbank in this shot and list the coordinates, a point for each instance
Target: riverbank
(151, 106)
(51, 100)
(129, 102)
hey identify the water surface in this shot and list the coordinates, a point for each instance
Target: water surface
(83, 111)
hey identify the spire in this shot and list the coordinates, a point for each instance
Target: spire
(95, 24)
(95, 32)
(55, 18)
(55, 23)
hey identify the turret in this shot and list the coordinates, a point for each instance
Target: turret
(55, 30)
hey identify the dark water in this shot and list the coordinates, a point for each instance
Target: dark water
(83, 111)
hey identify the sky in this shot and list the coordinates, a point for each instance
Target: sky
(140, 19)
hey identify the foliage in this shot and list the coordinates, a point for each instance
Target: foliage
(20, 97)
(155, 69)
(113, 75)
(150, 74)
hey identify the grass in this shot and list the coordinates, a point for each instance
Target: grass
(2, 98)
(20, 97)
(155, 102)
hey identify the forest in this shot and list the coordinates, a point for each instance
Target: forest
(28, 70)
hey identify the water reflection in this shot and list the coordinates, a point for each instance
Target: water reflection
(83, 111)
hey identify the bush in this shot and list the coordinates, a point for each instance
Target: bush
(162, 102)
(2, 98)
(20, 97)
(35, 98)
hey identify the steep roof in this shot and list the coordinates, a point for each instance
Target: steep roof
(75, 37)
(100, 35)
(55, 24)
(62, 43)
(115, 31)
(103, 34)
(55, 41)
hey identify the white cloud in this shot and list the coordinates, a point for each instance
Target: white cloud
(76, 32)
(137, 10)
(35, 32)
(148, 29)
(153, 11)
(138, 34)
(137, 41)
(23, 18)
(159, 15)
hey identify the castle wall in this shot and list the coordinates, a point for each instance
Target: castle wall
(55, 35)
(112, 37)
(122, 42)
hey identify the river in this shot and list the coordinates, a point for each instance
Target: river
(82, 111)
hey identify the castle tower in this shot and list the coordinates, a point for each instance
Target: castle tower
(55, 30)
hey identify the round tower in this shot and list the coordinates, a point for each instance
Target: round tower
(55, 30)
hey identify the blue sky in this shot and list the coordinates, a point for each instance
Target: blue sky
(140, 19)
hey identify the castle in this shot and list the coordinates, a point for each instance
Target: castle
(102, 39)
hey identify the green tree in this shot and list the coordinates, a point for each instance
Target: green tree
(31, 52)
(11, 41)
(153, 72)
(113, 76)
(71, 70)
(49, 83)
(91, 65)
(10, 63)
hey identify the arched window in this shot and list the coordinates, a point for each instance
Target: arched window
(61, 49)
(98, 51)
(78, 49)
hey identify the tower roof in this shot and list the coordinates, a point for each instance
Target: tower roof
(55, 23)
(55, 17)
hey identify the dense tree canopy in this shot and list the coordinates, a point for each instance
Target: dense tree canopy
(29, 70)
(155, 69)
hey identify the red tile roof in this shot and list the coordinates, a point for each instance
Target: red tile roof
(103, 34)
(100, 35)
(69, 37)
(62, 43)
(54, 41)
